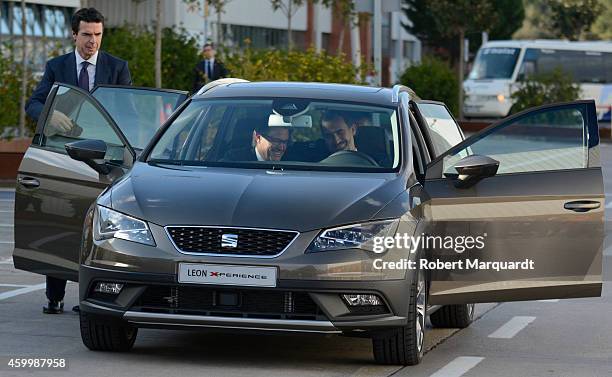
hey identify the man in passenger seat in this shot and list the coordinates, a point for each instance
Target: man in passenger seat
(269, 144)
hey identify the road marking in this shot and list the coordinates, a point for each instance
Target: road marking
(6, 242)
(21, 291)
(512, 327)
(6, 225)
(7, 200)
(458, 367)
(6, 261)
(552, 300)
(14, 285)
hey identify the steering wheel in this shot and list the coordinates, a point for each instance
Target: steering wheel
(349, 158)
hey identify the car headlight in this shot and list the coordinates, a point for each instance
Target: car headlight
(367, 236)
(113, 224)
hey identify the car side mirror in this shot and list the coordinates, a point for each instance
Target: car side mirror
(472, 169)
(88, 151)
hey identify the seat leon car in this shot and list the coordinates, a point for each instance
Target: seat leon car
(305, 207)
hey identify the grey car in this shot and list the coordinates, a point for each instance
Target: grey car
(305, 207)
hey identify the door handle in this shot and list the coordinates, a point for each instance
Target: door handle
(29, 182)
(582, 205)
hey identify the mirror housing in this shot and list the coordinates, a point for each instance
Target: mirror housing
(88, 151)
(472, 169)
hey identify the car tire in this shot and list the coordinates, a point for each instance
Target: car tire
(453, 316)
(100, 334)
(405, 345)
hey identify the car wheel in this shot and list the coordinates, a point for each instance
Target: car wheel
(405, 345)
(453, 316)
(100, 334)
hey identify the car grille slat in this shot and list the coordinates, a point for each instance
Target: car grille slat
(205, 300)
(208, 240)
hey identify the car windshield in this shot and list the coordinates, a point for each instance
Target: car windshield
(494, 63)
(283, 133)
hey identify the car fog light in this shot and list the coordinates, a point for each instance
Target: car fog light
(109, 288)
(362, 300)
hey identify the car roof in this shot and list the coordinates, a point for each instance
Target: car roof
(310, 90)
(554, 44)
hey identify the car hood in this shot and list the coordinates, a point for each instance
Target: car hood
(294, 200)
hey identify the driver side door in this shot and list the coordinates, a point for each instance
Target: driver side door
(54, 192)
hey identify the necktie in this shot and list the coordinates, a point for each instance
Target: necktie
(208, 69)
(84, 77)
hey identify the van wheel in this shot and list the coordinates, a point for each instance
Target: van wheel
(106, 335)
(405, 345)
(453, 316)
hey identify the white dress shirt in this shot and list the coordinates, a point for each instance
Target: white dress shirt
(91, 68)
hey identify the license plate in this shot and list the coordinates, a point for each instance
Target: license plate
(223, 274)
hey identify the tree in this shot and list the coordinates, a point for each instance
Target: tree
(433, 79)
(602, 28)
(572, 18)
(537, 23)
(440, 22)
(289, 9)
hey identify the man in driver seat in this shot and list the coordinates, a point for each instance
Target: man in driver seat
(338, 132)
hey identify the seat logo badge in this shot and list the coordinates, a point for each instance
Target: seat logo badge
(229, 240)
(290, 106)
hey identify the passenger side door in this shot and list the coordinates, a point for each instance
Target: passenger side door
(54, 192)
(544, 206)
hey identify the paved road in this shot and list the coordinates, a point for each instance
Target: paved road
(542, 338)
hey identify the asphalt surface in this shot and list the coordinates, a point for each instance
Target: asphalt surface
(540, 338)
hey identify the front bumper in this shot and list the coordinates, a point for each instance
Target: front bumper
(332, 314)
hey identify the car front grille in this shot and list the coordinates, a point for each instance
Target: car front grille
(230, 241)
(228, 302)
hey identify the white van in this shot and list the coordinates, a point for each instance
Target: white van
(501, 65)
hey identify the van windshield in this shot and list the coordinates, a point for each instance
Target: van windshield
(495, 63)
(281, 133)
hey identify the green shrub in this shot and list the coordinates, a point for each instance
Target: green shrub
(180, 54)
(433, 79)
(10, 90)
(279, 65)
(542, 89)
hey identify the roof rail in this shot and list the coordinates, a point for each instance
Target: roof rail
(216, 83)
(397, 88)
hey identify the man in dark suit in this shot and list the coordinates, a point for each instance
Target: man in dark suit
(85, 68)
(209, 69)
(269, 144)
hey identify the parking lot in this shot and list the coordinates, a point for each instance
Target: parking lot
(541, 338)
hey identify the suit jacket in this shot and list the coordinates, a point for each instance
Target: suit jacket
(109, 70)
(218, 72)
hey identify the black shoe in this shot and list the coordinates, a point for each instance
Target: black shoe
(76, 309)
(54, 307)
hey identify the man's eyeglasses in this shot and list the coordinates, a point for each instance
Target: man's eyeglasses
(275, 141)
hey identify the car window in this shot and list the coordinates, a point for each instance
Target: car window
(138, 112)
(294, 133)
(549, 139)
(74, 117)
(443, 131)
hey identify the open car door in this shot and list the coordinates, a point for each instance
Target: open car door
(54, 191)
(531, 188)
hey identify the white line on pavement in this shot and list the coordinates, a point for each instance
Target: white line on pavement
(14, 285)
(6, 261)
(458, 367)
(7, 200)
(6, 225)
(2, 242)
(552, 300)
(512, 327)
(21, 291)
